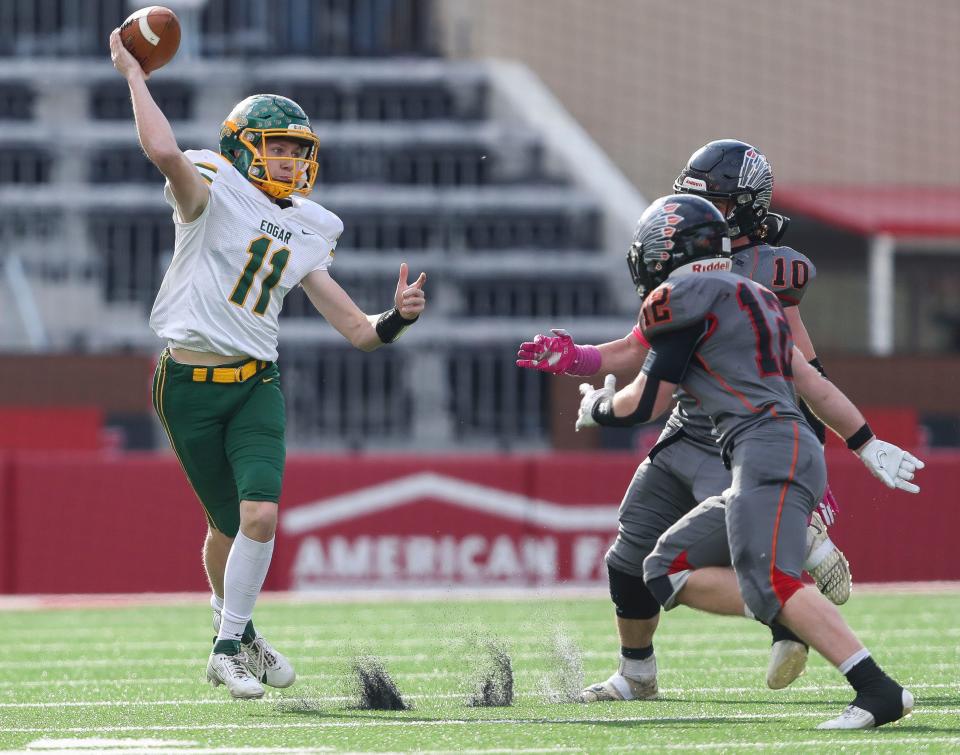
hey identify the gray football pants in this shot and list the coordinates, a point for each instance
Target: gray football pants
(758, 525)
(664, 488)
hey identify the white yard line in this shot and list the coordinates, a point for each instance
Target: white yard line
(132, 746)
(177, 746)
(351, 594)
(137, 747)
(687, 638)
(400, 722)
(47, 663)
(307, 696)
(425, 675)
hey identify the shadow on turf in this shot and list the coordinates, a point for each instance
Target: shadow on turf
(306, 707)
(752, 701)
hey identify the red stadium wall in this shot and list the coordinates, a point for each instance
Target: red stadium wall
(78, 522)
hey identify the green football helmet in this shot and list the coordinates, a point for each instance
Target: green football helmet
(256, 122)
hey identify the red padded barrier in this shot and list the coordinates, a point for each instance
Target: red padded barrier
(74, 428)
(102, 523)
(7, 526)
(891, 535)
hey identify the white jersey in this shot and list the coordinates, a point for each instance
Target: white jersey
(233, 265)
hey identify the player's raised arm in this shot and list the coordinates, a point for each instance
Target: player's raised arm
(156, 136)
(366, 332)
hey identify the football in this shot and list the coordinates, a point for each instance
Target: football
(152, 35)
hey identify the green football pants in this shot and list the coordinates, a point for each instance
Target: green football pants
(226, 426)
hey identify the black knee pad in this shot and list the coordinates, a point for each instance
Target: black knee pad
(630, 595)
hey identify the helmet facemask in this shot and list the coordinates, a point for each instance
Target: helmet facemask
(647, 269)
(265, 169)
(247, 136)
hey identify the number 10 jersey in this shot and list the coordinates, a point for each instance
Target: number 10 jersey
(232, 266)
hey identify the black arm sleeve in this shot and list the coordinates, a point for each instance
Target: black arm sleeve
(819, 429)
(670, 353)
(668, 359)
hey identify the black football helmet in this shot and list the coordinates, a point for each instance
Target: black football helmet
(732, 170)
(673, 231)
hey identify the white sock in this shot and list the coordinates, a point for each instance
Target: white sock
(247, 567)
(853, 660)
(216, 603)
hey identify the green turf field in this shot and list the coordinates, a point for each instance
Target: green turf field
(135, 673)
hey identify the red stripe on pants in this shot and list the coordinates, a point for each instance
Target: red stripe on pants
(784, 586)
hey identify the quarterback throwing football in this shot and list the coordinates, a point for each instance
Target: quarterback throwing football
(245, 235)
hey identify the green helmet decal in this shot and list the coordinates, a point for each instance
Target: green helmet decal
(263, 116)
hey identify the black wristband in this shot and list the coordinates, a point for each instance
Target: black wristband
(860, 437)
(602, 411)
(391, 324)
(815, 363)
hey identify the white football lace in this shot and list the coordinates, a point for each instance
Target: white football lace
(235, 666)
(262, 657)
(851, 711)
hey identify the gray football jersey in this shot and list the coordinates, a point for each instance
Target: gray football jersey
(783, 270)
(741, 369)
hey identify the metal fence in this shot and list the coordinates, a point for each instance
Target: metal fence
(405, 398)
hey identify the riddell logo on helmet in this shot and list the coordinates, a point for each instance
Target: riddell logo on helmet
(709, 267)
(694, 183)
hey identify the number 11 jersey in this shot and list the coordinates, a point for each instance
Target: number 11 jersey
(232, 266)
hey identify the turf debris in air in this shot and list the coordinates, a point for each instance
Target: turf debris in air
(375, 688)
(494, 688)
(564, 682)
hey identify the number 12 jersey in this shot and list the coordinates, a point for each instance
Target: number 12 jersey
(741, 371)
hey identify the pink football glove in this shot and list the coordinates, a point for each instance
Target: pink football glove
(558, 355)
(828, 508)
(548, 354)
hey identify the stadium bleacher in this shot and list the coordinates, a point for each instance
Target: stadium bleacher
(415, 159)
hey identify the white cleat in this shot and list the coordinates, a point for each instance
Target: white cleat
(267, 664)
(788, 660)
(855, 717)
(619, 687)
(231, 670)
(264, 661)
(826, 564)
